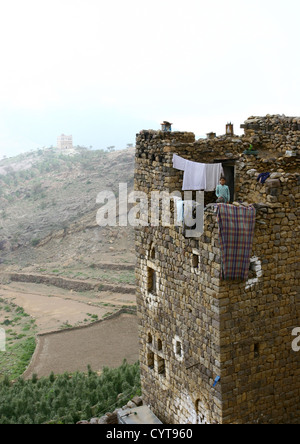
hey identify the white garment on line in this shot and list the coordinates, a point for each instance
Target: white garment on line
(213, 173)
(194, 176)
(179, 163)
(198, 176)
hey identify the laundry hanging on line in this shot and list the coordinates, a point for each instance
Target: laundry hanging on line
(179, 162)
(198, 176)
(214, 171)
(194, 177)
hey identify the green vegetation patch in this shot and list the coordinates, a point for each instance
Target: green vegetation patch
(20, 332)
(68, 398)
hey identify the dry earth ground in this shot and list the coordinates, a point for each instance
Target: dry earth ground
(99, 344)
(54, 308)
(104, 343)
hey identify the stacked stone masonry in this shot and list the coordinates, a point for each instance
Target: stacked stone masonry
(193, 326)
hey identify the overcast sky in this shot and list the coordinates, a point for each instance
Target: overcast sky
(104, 70)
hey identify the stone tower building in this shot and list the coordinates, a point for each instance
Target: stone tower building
(64, 142)
(215, 351)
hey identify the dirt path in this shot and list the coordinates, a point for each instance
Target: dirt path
(104, 343)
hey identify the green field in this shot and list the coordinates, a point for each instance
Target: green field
(20, 331)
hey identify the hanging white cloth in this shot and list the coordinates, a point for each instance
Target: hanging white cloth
(194, 176)
(198, 176)
(179, 163)
(214, 172)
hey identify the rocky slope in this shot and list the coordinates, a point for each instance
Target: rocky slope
(48, 211)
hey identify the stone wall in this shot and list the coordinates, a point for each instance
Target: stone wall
(277, 133)
(68, 284)
(173, 320)
(260, 372)
(195, 327)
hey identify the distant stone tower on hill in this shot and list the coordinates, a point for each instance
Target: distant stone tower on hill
(65, 142)
(214, 351)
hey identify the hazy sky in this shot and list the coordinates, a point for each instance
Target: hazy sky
(104, 70)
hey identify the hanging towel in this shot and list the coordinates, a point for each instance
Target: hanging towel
(179, 163)
(198, 176)
(214, 171)
(236, 231)
(194, 176)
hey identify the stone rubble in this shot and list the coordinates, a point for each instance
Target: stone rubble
(112, 418)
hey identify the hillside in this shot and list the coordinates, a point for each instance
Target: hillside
(48, 210)
(57, 265)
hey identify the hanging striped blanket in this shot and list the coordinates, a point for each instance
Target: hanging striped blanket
(236, 230)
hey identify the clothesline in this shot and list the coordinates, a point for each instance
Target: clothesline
(198, 176)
